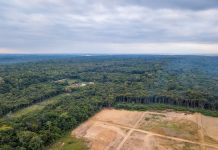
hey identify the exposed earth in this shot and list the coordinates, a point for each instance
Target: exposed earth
(113, 129)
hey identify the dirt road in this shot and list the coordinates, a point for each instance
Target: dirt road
(124, 140)
(154, 134)
(130, 132)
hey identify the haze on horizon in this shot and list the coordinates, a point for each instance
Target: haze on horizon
(114, 26)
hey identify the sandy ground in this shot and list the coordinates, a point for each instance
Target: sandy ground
(210, 129)
(121, 117)
(132, 130)
(140, 141)
(172, 124)
(100, 135)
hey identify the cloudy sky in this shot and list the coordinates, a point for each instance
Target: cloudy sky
(109, 26)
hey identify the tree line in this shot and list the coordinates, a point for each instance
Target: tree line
(170, 101)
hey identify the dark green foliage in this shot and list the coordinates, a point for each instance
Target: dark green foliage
(17, 99)
(143, 107)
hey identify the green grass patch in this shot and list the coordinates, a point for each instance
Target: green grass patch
(5, 128)
(35, 107)
(69, 143)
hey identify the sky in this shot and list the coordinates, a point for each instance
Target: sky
(109, 26)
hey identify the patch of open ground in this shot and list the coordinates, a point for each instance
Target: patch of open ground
(68, 143)
(133, 130)
(101, 135)
(210, 129)
(121, 117)
(142, 141)
(35, 107)
(171, 124)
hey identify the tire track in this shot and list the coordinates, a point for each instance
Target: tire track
(200, 131)
(131, 129)
(130, 132)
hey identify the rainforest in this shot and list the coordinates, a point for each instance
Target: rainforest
(44, 97)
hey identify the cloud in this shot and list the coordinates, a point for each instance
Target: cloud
(52, 24)
(178, 4)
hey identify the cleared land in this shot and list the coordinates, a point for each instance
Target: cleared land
(68, 143)
(35, 107)
(129, 130)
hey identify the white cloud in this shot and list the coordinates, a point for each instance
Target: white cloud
(56, 23)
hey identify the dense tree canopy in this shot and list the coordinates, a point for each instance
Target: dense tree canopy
(187, 81)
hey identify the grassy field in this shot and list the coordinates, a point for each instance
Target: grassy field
(35, 108)
(68, 143)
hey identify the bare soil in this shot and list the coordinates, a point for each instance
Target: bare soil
(141, 141)
(133, 130)
(100, 135)
(210, 129)
(122, 117)
(171, 124)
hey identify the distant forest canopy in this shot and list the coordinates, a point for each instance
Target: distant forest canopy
(19, 58)
(25, 80)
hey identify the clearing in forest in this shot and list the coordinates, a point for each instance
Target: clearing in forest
(35, 107)
(113, 129)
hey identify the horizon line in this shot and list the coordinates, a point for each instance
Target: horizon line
(89, 54)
